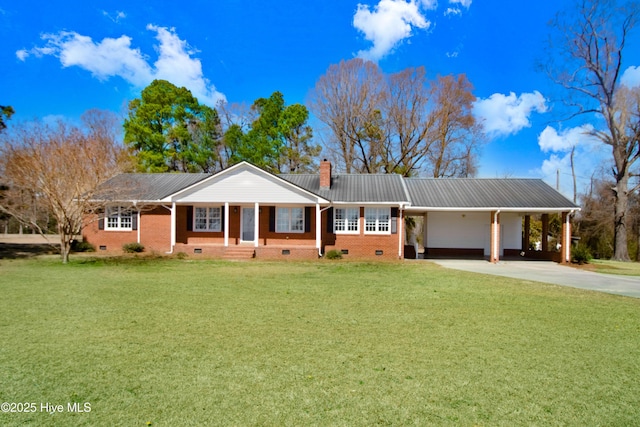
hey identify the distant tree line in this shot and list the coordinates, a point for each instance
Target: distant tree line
(400, 123)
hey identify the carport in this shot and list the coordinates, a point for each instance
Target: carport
(491, 218)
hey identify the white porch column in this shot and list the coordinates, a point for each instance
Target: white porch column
(256, 214)
(318, 229)
(400, 230)
(226, 224)
(495, 237)
(173, 226)
(566, 238)
(425, 232)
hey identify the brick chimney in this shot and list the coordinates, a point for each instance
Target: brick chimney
(325, 174)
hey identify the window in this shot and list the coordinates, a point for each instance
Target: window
(290, 220)
(377, 220)
(119, 218)
(207, 219)
(346, 220)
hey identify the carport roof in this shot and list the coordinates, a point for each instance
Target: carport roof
(478, 193)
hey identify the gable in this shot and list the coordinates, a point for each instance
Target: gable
(245, 183)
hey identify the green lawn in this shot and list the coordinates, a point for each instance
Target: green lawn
(616, 267)
(186, 343)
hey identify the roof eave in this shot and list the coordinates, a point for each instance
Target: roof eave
(492, 209)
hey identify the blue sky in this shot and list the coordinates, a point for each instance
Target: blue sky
(63, 58)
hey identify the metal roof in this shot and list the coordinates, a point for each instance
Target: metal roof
(484, 193)
(416, 193)
(362, 188)
(147, 186)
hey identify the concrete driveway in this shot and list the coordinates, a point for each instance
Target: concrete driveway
(550, 272)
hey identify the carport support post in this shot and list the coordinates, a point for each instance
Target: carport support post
(566, 238)
(545, 233)
(495, 237)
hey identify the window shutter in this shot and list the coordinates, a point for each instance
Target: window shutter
(222, 218)
(394, 220)
(307, 219)
(272, 218)
(101, 215)
(189, 218)
(134, 220)
(330, 220)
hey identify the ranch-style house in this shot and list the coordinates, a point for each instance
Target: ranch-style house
(244, 211)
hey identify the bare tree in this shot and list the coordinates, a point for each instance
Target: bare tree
(59, 167)
(347, 98)
(409, 121)
(593, 222)
(456, 135)
(401, 123)
(589, 67)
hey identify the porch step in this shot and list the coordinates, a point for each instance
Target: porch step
(239, 253)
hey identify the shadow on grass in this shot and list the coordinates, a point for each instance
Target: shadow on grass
(21, 251)
(134, 259)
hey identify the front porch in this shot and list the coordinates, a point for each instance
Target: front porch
(245, 231)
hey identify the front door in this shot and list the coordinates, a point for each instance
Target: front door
(248, 224)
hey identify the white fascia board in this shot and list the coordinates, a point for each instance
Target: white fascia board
(490, 209)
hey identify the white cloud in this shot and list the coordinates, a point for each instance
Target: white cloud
(550, 140)
(116, 58)
(107, 58)
(176, 65)
(115, 18)
(589, 156)
(504, 115)
(465, 3)
(22, 54)
(390, 22)
(429, 4)
(452, 11)
(631, 77)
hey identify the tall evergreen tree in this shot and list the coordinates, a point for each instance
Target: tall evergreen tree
(168, 130)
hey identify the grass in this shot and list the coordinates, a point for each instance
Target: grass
(616, 267)
(182, 342)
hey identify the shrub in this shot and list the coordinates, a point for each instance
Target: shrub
(131, 248)
(78, 246)
(581, 254)
(181, 255)
(334, 254)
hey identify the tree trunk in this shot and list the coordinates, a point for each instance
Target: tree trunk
(65, 248)
(65, 241)
(620, 248)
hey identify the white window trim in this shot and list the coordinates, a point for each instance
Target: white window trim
(110, 213)
(335, 221)
(206, 230)
(378, 208)
(289, 230)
